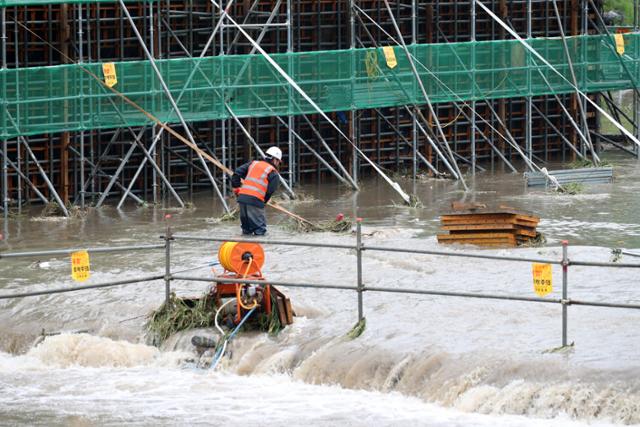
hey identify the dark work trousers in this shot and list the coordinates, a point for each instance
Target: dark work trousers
(252, 220)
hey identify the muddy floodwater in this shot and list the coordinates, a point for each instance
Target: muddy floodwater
(422, 360)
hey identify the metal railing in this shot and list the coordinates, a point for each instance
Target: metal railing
(359, 287)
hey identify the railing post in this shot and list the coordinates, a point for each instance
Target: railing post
(359, 267)
(168, 237)
(565, 291)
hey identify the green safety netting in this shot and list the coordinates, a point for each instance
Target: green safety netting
(50, 99)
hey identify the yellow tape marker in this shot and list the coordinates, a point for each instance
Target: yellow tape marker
(390, 56)
(542, 279)
(109, 71)
(620, 44)
(80, 269)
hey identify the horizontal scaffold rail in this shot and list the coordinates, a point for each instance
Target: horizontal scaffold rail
(11, 3)
(67, 98)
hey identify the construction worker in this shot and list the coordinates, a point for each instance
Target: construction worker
(254, 183)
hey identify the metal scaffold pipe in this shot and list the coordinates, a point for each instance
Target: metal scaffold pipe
(166, 90)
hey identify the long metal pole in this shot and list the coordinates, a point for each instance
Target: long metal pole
(46, 179)
(117, 183)
(424, 94)
(353, 134)
(414, 124)
(290, 119)
(474, 14)
(344, 171)
(314, 152)
(360, 285)
(594, 104)
(396, 187)
(159, 133)
(80, 61)
(171, 99)
(255, 145)
(24, 177)
(5, 169)
(565, 292)
(581, 105)
(167, 264)
(529, 100)
(636, 98)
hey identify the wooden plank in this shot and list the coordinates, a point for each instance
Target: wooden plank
(289, 310)
(474, 217)
(281, 310)
(525, 232)
(500, 226)
(476, 236)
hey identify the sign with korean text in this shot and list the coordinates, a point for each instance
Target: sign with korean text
(80, 269)
(109, 71)
(542, 279)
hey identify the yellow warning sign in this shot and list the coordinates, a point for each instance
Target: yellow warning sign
(619, 44)
(542, 279)
(390, 56)
(80, 270)
(109, 71)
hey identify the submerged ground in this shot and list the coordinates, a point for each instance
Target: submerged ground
(422, 360)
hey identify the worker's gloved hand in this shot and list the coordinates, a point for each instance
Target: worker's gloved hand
(236, 191)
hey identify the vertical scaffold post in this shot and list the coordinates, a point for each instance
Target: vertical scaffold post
(473, 86)
(359, 267)
(636, 99)
(565, 290)
(353, 133)
(529, 100)
(5, 167)
(80, 22)
(168, 237)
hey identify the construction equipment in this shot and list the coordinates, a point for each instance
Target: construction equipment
(244, 261)
(477, 225)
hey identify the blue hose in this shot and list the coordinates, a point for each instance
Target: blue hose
(220, 351)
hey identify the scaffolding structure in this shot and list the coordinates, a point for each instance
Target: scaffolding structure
(147, 164)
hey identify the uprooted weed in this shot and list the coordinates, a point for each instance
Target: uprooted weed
(334, 226)
(53, 209)
(191, 313)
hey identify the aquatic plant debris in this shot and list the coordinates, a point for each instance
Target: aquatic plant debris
(338, 225)
(357, 329)
(192, 313)
(571, 188)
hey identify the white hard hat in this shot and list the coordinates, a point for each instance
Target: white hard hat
(274, 152)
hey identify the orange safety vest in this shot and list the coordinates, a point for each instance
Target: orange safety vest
(255, 184)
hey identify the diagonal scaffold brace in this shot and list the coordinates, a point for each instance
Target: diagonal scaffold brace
(298, 89)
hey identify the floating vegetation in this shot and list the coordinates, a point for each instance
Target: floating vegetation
(562, 349)
(232, 215)
(535, 242)
(190, 313)
(180, 314)
(571, 188)
(357, 329)
(586, 163)
(414, 203)
(338, 225)
(300, 198)
(53, 209)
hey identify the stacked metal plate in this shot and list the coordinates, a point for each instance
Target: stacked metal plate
(602, 175)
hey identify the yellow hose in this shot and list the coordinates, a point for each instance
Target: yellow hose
(224, 255)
